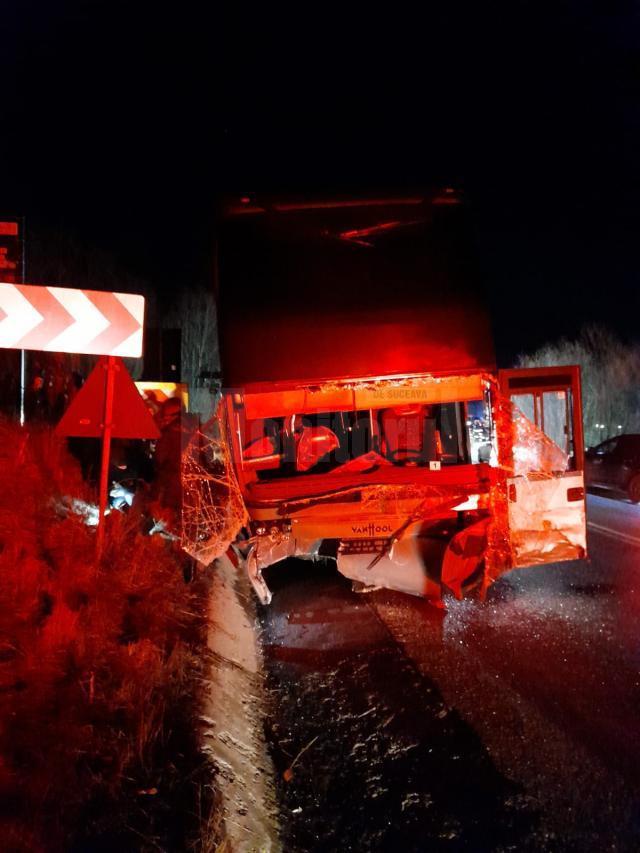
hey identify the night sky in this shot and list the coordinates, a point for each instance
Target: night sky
(125, 122)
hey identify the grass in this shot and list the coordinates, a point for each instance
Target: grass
(100, 672)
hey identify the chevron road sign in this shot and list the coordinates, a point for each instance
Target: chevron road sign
(60, 319)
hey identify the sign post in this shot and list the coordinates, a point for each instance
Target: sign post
(108, 406)
(62, 319)
(107, 428)
(12, 269)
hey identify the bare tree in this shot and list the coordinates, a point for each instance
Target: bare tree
(196, 316)
(610, 375)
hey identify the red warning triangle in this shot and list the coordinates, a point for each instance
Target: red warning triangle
(131, 417)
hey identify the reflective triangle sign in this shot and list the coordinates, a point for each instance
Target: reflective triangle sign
(85, 416)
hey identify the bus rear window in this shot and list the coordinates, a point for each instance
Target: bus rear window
(411, 435)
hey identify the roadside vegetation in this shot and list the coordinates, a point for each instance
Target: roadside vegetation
(101, 666)
(610, 377)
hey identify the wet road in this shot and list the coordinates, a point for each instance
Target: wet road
(508, 725)
(617, 518)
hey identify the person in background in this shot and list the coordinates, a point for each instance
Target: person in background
(176, 429)
(168, 456)
(153, 404)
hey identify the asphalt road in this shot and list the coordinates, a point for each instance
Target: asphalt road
(512, 724)
(615, 517)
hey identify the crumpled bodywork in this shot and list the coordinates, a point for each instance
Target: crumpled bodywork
(267, 550)
(401, 550)
(417, 529)
(544, 528)
(399, 566)
(540, 519)
(464, 556)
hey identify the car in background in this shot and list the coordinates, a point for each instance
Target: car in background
(615, 464)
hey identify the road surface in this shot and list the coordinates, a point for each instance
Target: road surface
(508, 725)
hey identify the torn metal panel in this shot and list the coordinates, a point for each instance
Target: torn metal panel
(464, 556)
(376, 548)
(499, 553)
(546, 525)
(272, 548)
(551, 545)
(402, 568)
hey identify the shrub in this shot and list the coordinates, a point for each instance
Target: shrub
(99, 667)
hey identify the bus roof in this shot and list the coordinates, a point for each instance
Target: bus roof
(314, 290)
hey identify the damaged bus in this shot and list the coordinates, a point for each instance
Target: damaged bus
(365, 415)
